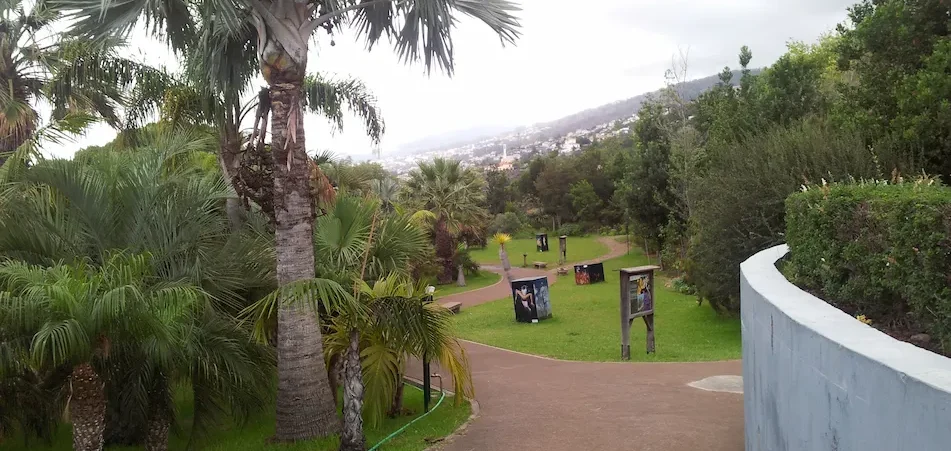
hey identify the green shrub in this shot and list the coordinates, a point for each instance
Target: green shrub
(878, 250)
(739, 204)
(571, 229)
(508, 223)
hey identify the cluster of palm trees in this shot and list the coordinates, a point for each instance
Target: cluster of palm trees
(146, 267)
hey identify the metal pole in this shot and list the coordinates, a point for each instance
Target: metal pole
(427, 388)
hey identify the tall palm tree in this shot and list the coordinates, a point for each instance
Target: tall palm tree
(455, 197)
(420, 30)
(74, 314)
(67, 74)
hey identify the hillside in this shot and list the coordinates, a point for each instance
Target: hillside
(586, 119)
(623, 108)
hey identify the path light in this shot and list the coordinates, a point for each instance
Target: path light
(427, 389)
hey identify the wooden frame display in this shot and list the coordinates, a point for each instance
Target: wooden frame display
(637, 301)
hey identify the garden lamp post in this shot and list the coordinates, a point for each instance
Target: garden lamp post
(427, 388)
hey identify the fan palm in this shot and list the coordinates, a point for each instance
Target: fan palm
(74, 313)
(420, 29)
(70, 75)
(455, 197)
(164, 202)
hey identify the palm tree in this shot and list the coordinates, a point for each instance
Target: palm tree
(358, 242)
(163, 201)
(68, 74)
(455, 197)
(420, 29)
(74, 314)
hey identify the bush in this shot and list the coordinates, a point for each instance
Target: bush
(740, 201)
(878, 250)
(570, 229)
(508, 223)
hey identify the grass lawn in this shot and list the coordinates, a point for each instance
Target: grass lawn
(579, 249)
(484, 279)
(252, 436)
(586, 324)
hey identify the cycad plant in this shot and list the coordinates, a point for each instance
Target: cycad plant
(162, 201)
(75, 313)
(284, 29)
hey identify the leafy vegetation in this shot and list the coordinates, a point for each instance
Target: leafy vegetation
(254, 433)
(877, 249)
(586, 325)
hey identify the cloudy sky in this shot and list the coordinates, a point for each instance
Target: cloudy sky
(572, 55)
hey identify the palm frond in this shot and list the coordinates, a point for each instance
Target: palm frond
(310, 294)
(421, 29)
(331, 98)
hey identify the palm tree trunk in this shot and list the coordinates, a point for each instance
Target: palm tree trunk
(396, 408)
(351, 437)
(506, 266)
(305, 404)
(87, 408)
(156, 436)
(461, 278)
(444, 251)
(159, 420)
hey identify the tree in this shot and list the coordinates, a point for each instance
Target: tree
(586, 202)
(497, 191)
(420, 29)
(71, 75)
(455, 197)
(70, 315)
(552, 185)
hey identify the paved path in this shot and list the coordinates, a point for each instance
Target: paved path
(535, 403)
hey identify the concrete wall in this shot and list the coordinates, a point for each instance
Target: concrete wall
(815, 378)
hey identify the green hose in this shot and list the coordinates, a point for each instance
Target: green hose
(400, 430)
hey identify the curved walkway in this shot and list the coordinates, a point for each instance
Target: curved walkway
(537, 403)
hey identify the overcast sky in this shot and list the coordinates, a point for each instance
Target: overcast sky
(572, 55)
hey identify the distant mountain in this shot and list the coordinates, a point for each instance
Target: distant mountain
(625, 108)
(586, 119)
(453, 139)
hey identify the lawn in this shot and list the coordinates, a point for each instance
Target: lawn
(440, 423)
(484, 279)
(579, 249)
(586, 324)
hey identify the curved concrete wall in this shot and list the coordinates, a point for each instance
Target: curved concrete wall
(815, 378)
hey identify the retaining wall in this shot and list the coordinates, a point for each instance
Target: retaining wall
(815, 378)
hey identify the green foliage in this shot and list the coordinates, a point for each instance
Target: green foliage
(876, 249)
(571, 229)
(497, 191)
(508, 223)
(740, 201)
(585, 201)
(897, 51)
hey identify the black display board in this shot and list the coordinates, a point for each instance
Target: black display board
(531, 299)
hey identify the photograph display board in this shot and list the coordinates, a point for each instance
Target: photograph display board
(637, 301)
(541, 242)
(531, 299)
(588, 274)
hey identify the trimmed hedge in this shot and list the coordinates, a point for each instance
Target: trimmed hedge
(878, 250)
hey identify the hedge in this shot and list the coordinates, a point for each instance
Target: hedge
(876, 249)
